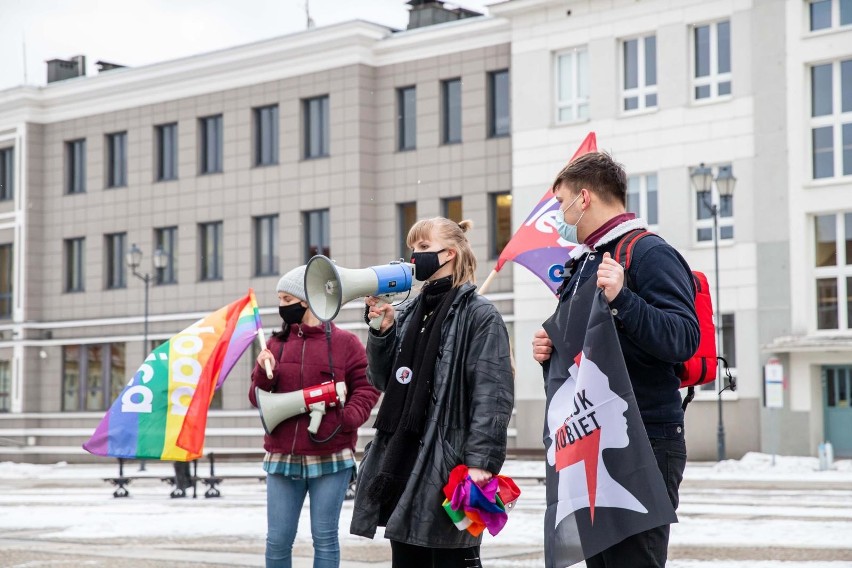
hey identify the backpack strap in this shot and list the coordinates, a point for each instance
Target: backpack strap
(624, 249)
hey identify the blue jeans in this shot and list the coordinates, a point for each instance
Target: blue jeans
(284, 499)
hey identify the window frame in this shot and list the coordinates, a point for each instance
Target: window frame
(75, 166)
(714, 78)
(7, 173)
(75, 265)
(266, 135)
(577, 101)
(840, 272)
(108, 386)
(208, 272)
(447, 203)
(324, 229)
(116, 159)
(493, 252)
(835, 16)
(7, 272)
(725, 221)
(644, 198)
(451, 111)
(493, 119)
(208, 140)
(5, 386)
(166, 167)
(166, 239)
(406, 124)
(323, 128)
(712, 389)
(837, 120)
(265, 229)
(115, 271)
(403, 216)
(642, 90)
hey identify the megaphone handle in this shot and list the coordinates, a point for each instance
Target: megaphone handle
(317, 411)
(262, 338)
(376, 322)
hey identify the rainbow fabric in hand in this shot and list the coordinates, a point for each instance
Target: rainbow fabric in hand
(162, 412)
(474, 508)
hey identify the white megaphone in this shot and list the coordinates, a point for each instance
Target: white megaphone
(328, 287)
(275, 408)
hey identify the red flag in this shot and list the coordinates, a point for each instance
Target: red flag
(536, 245)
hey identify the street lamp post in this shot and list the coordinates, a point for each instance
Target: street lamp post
(703, 182)
(133, 258)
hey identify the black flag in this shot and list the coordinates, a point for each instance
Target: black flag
(603, 483)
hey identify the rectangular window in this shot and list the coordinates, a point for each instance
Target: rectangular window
(406, 117)
(266, 135)
(165, 239)
(833, 270)
(825, 14)
(116, 274)
(210, 237)
(266, 245)
(92, 376)
(407, 215)
(451, 94)
(704, 201)
(642, 198)
(7, 174)
(6, 287)
(500, 220)
(5, 386)
(499, 122)
(74, 264)
(831, 119)
(317, 239)
(316, 127)
(572, 85)
(116, 159)
(640, 73)
(712, 63)
(75, 166)
(167, 152)
(451, 208)
(210, 138)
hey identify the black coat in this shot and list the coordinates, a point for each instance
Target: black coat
(471, 404)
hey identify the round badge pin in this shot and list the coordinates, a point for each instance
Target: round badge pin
(403, 375)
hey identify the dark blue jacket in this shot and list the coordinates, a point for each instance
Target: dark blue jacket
(655, 317)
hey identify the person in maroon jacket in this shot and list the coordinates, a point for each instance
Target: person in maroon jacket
(299, 463)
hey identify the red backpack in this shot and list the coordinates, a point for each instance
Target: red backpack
(701, 367)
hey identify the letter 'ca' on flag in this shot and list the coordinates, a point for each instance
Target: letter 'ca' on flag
(603, 482)
(162, 412)
(536, 245)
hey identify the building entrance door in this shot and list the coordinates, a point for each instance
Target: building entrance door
(837, 392)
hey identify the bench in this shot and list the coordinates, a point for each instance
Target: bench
(122, 481)
(212, 481)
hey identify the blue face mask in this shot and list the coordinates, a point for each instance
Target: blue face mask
(566, 230)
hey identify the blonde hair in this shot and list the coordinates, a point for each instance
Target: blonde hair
(452, 235)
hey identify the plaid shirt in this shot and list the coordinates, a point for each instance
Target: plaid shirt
(299, 467)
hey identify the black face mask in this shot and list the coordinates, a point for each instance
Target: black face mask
(426, 264)
(293, 313)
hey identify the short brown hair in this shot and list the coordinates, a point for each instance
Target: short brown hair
(597, 172)
(453, 235)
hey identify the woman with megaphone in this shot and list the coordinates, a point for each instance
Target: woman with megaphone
(320, 463)
(443, 363)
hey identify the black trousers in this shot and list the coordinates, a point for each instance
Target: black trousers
(650, 549)
(411, 556)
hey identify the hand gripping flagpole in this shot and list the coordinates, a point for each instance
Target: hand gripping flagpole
(260, 335)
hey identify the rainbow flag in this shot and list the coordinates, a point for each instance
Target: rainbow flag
(162, 412)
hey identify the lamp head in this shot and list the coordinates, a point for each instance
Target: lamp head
(725, 181)
(133, 257)
(702, 178)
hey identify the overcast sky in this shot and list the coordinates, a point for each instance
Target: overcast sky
(139, 32)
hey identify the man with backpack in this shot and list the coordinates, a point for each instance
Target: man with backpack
(653, 305)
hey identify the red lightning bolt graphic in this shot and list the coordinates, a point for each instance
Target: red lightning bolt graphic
(586, 450)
